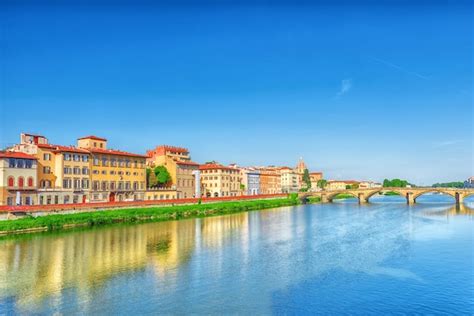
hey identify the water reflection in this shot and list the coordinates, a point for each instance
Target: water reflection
(248, 256)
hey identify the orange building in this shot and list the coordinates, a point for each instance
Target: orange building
(178, 163)
(270, 180)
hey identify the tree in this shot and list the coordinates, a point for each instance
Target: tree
(151, 178)
(163, 177)
(387, 183)
(242, 187)
(322, 183)
(307, 178)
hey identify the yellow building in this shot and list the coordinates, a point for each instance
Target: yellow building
(219, 181)
(340, 184)
(160, 194)
(115, 175)
(315, 177)
(62, 172)
(178, 163)
(18, 178)
(290, 180)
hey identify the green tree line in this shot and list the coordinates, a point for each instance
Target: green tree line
(456, 184)
(395, 183)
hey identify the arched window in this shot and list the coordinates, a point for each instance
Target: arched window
(11, 182)
(21, 182)
(30, 182)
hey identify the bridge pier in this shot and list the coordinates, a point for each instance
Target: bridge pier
(411, 199)
(459, 198)
(362, 199)
(324, 198)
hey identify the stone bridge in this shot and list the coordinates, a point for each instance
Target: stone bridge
(411, 194)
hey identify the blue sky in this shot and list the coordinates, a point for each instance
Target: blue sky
(359, 90)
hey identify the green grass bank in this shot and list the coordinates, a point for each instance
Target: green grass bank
(137, 215)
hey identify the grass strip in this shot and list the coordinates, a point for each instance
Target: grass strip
(132, 215)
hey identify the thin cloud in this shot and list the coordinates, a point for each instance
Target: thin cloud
(392, 65)
(346, 85)
(447, 143)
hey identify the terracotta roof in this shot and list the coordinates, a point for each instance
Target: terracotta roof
(343, 181)
(318, 173)
(190, 163)
(60, 148)
(93, 137)
(114, 152)
(214, 166)
(46, 146)
(12, 154)
(162, 149)
(70, 149)
(35, 135)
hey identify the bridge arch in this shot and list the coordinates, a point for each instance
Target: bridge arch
(433, 190)
(379, 190)
(331, 195)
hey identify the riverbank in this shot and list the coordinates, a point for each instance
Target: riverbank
(137, 215)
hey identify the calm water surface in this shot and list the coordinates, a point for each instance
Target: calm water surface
(384, 257)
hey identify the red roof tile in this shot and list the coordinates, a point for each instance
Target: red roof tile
(93, 137)
(12, 154)
(214, 166)
(189, 163)
(115, 152)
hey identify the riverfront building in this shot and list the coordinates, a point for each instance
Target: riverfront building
(270, 180)
(219, 181)
(115, 175)
(340, 184)
(62, 171)
(178, 163)
(250, 179)
(315, 177)
(290, 180)
(18, 178)
(87, 173)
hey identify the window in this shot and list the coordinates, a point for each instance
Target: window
(66, 199)
(27, 200)
(46, 170)
(77, 183)
(30, 182)
(104, 162)
(67, 183)
(67, 157)
(21, 182)
(47, 157)
(28, 164)
(11, 163)
(85, 158)
(56, 199)
(85, 184)
(20, 163)
(77, 157)
(10, 201)
(96, 161)
(85, 170)
(11, 182)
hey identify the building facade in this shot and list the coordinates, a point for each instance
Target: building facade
(341, 184)
(315, 177)
(18, 179)
(250, 179)
(290, 180)
(270, 180)
(114, 175)
(62, 171)
(219, 181)
(178, 163)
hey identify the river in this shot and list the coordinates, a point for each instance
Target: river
(384, 257)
